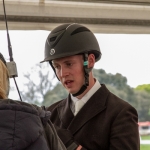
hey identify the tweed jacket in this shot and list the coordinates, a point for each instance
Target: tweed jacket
(105, 122)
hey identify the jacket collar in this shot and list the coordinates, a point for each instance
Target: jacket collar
(95, 105)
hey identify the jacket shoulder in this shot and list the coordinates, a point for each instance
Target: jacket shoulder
(114, 101)
(55, 105)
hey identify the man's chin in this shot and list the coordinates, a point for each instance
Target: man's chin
(72, 92)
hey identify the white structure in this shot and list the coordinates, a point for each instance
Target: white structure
(101, 16)
(144, 128)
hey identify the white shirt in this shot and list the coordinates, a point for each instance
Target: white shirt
(86, 97)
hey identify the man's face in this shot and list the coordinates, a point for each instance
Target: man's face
(69, 70)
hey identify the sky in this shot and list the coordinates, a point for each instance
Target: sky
(126, 54)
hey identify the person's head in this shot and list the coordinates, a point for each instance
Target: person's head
(72, 50)
(4, 78)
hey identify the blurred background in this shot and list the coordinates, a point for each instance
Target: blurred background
(123, 32)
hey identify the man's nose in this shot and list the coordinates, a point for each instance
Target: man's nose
(64, 72)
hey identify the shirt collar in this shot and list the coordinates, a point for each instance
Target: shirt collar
(88, 95)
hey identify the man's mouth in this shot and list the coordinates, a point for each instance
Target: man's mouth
(68, 83)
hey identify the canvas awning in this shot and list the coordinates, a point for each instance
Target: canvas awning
(109, 16)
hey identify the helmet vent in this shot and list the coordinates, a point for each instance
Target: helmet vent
(53, 39)
(81, 29)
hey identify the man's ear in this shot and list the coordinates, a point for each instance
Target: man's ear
(91, 60)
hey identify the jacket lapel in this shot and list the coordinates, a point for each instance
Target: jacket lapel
(95, 105)
(65, 113)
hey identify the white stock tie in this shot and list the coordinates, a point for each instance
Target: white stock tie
(78, 105)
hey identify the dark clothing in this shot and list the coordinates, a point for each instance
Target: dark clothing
(21, 128)
(105, 122)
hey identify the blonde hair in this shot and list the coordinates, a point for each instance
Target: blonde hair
(4, 81)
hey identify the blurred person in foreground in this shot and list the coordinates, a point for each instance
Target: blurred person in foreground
(24, 126)
(91, 117)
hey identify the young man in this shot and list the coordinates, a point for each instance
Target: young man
(104, 121)
(23, 126)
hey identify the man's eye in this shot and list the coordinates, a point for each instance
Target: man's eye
(56, 67)
(69, 64)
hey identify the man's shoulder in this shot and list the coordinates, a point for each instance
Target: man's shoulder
(55, 105)
(114, 100)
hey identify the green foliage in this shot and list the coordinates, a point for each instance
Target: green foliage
(117, 80)
(55, 95)
(117, 84)
(143, 107)
(144, 87)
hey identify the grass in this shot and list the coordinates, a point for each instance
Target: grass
(145, 137)
(145, 147)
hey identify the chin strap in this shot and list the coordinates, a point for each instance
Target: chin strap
(86, 74)
(50, 62)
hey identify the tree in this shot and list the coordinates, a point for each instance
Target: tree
(38, 82)
(118, 81)
(42, 88)
(143, 87)
(117, 84)
(143, 108)
(58, 93)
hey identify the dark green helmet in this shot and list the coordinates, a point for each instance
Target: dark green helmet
(70, 39)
